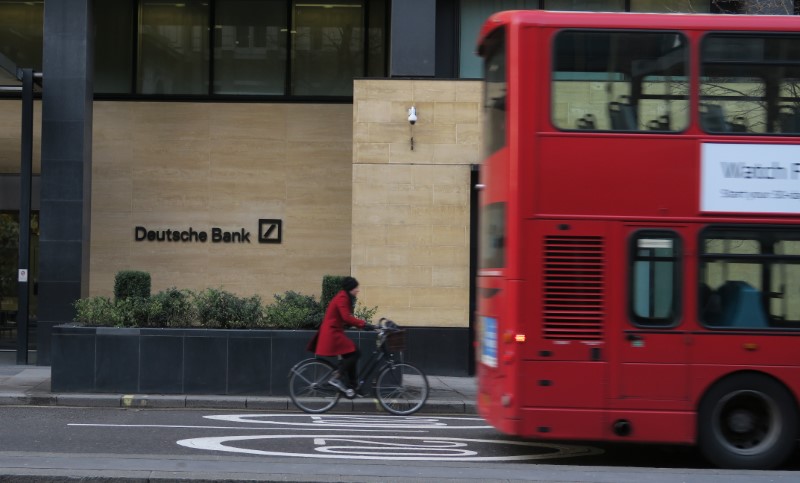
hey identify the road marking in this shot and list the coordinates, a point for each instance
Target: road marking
(360, 421)
(186, 426)
(403, 448)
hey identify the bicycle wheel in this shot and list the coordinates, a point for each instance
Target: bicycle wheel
(309, 388)
(401, 388)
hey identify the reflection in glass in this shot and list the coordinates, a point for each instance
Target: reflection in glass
(586, 5)
(173, 47)
(250, 47)
(670, 6)
(113, 46)
(327, 47)
(21, 32)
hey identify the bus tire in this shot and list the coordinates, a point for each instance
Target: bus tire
(747, 421)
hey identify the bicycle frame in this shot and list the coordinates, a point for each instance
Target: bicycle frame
(379, 358)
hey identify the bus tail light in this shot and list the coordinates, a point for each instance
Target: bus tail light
(506, 400)
(519, 337)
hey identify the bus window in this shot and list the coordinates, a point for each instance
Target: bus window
(654, 275)
(750, 83)
(495, 91)
(493, 236)
(627, 81)
(750, 278)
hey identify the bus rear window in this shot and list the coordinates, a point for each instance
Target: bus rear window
(495, 91)
(493, 236)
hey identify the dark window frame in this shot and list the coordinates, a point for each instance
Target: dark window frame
(287, 96)
(677, 258)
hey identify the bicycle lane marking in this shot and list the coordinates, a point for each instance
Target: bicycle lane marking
(398, 448)
(356, 421)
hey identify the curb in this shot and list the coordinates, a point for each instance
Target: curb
(365, 405)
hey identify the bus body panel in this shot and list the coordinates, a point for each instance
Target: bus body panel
(652, 171)
(563, 384)
(652, 426)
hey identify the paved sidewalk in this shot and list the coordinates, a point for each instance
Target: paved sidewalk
(30, 385)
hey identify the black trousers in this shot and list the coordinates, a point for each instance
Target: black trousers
(348, 364)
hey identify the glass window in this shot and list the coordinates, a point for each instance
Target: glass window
(586, 5)
(620, 81)
(670, 6)
(654, 278)
(113, 46)
(376, 39)
(495, 91)
(750, 84)
(173, 47)
(21, 32)
(492, 245)
(9, 290)
(750, 278)
(250, 47)
(473, 13)
(327, 47)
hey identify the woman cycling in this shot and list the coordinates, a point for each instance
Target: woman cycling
(331, 339)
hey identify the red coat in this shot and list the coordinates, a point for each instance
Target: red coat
(332, 340)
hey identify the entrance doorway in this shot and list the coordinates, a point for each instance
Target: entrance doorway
(9, 263)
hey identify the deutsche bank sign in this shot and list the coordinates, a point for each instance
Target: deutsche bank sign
(269, 231)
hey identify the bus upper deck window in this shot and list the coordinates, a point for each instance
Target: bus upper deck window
(627, 81)
(750, 84)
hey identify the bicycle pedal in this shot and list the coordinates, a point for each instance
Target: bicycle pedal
(350, 393)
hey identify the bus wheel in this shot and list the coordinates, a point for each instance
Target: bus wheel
(747, 421)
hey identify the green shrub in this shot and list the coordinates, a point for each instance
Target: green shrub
(172, 308)
(365, 313)
(294, 310)
(220, 309)
(97, 311)
(331, 285)
(131, 283)
(132, 311)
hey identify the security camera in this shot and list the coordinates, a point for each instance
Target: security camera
(412, 115)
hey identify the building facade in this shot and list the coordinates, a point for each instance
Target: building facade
(254, 146)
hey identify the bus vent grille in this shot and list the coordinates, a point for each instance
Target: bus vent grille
(573, 288)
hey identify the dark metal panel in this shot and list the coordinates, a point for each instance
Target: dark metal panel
(68, 68)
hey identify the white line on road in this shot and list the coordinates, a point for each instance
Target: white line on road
(260, 428)
(356, 421)
(364, 448)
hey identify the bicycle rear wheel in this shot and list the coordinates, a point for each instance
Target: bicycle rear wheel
(309, 388)
(401, 389)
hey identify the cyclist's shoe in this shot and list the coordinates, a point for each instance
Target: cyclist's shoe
(338, 384)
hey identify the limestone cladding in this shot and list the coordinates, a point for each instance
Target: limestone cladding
(411, 208)
(207, 166)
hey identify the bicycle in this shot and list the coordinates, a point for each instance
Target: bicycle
(399, 387)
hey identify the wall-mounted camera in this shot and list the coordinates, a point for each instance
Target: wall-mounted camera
(412, 115)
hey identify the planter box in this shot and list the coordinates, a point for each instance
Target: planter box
(215, 361)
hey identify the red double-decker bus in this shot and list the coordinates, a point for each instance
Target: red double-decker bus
(639, 254)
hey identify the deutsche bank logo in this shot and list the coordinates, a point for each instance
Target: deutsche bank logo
(270, 231)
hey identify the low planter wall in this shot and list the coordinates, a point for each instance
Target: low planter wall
(215, 361)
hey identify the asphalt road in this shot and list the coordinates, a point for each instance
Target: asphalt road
(48, 443)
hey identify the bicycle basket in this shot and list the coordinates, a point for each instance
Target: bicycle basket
(396, 341)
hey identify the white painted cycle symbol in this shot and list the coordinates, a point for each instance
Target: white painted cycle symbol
(398, 448)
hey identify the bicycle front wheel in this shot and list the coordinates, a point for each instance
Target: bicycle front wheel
(401, 389)
(309, 388)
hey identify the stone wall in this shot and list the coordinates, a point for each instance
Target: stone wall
(202, 166)
(411, 208)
